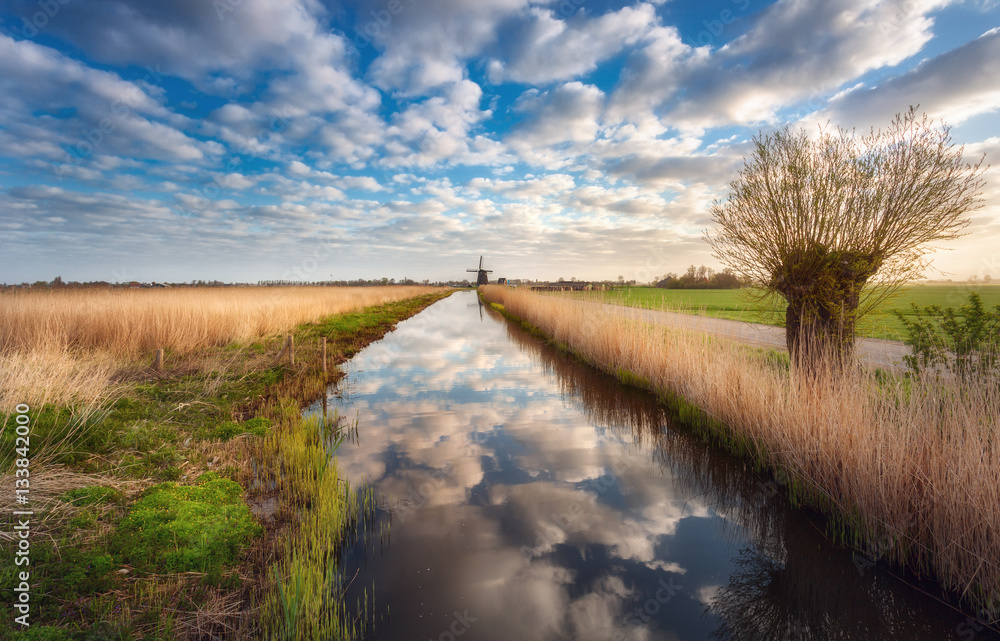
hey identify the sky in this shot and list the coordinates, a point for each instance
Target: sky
(246, 140)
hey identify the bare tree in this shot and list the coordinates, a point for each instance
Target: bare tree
(837, 223)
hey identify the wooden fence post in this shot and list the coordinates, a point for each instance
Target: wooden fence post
(289, 348)
(158, 361)
(322, 343)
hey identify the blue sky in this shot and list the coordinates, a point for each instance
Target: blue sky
(255, 139)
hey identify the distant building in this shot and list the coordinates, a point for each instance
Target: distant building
(569, 286)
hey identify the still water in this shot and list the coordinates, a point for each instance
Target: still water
(531, 497)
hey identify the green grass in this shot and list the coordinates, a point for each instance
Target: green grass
(740, 305)
(254, 427)
(186, 528)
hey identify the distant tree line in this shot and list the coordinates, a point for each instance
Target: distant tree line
(59, 283)
(702, 278)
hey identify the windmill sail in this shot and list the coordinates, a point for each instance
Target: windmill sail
(481, 277)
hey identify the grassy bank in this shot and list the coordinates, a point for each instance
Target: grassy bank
(909, 471)
(194, 501)
(742, 305)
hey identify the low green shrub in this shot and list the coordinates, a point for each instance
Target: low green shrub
(93, 495)
(965, 341)
(255, 427)
(43, 633)
(182, 528)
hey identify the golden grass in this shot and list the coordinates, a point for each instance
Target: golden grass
(911, 469)
(63, 346)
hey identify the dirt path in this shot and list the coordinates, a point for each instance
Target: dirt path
(873, 351)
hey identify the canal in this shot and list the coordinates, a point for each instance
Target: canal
(532, 497)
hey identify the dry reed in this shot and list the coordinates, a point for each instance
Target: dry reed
(912, 469)
(63, 346)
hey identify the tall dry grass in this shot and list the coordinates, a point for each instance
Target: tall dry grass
(912, 468)
(63, 346)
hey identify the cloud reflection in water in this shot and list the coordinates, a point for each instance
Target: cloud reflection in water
(546, 501)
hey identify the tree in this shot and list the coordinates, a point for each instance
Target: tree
(838, 223)
(726, 279)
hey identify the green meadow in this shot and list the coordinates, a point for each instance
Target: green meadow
(747, 304)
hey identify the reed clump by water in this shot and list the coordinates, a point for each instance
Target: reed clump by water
(909, 469)
(63, 346)
(303, 599)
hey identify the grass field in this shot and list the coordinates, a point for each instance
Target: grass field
(739, 304)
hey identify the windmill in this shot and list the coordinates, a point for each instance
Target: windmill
(482, 278)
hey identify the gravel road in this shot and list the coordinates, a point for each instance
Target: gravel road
(873, 351)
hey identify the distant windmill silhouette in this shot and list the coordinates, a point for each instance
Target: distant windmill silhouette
(481, 278)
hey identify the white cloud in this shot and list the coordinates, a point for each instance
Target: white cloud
(194, 40)
(85, 113)
(533, 189)
(545, 49)
(955, 86)
(796, 50)
(426, 44)
(567, 115)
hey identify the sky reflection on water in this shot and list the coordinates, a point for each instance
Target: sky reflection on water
(535, 498)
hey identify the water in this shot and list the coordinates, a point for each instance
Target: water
(535, 498)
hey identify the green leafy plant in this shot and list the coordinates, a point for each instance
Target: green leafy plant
(181, 528)
(255, 427)
(965, 342)
(93, 495)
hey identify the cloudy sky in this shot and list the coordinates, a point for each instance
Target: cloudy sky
(298, 139)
